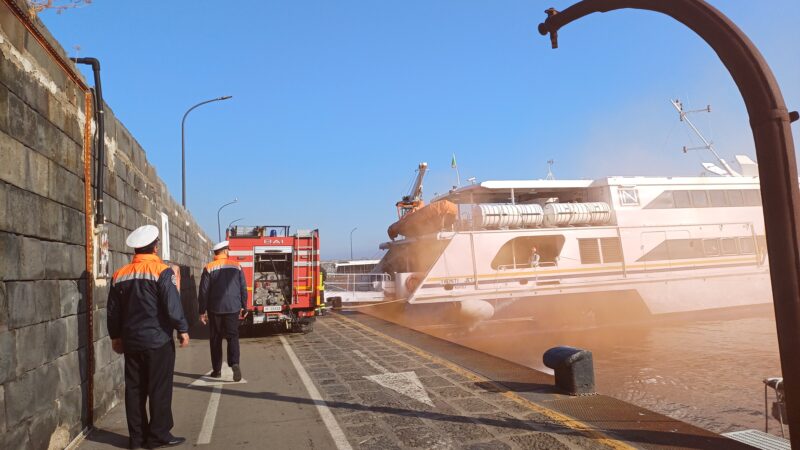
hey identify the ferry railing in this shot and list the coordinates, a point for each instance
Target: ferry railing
(528, 265)
(337, 284)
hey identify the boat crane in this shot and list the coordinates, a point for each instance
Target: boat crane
(413, 201)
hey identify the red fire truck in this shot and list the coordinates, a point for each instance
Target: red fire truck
(282, 272)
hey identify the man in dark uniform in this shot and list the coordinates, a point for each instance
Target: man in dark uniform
(223, 298)
(144, 307)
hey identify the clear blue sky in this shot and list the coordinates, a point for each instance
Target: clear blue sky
(336, 102)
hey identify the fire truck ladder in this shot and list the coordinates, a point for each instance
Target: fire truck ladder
(303, 265)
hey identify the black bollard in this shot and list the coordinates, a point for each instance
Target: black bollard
(573, 368)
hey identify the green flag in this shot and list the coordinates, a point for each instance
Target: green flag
(453, 162)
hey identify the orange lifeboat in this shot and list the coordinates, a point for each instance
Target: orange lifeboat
(437, 216)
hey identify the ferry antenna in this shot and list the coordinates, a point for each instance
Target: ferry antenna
(550, 175)
(684, 117)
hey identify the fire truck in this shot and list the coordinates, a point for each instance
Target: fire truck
(282, 272)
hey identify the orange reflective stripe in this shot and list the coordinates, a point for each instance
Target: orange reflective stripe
(136, 276)
(222, 263)
(143, 267)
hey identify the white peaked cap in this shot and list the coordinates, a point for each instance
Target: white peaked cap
(220, 246)
(142, 236)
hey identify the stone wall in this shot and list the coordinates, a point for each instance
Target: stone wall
(43, 277)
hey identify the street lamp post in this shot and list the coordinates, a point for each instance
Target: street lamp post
(183, 144)
(770, 122)
(230, 225)
(234, 221)
(219, 233)
(351, 242)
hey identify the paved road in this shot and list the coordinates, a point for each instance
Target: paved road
(362, 390)
(248, 414)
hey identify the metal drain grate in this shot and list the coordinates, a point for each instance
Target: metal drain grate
(759, 439)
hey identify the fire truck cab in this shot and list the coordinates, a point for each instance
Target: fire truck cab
(282, 272)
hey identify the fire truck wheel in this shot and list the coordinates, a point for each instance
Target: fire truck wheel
(302, 326)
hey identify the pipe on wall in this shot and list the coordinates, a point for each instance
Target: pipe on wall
(101, 133)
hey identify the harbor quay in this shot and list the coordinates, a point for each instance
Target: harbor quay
(358, 382)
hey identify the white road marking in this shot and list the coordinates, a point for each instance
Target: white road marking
(327, 416)
(371, 362)
(213, 402)
(211, 416)
(406, 383)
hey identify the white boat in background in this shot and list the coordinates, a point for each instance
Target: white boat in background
(610, 249)
(651, 245)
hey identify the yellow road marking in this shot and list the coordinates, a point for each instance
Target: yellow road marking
(565, 420)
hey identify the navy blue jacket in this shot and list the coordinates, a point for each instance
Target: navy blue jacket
(144, 305)
(223, 289)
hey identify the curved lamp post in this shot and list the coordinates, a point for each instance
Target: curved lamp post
(771, 124)
(183, 144)
(230, 225)
(219, 232)
(351, 242)
(234, 221)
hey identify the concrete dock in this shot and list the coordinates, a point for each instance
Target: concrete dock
(362, 383)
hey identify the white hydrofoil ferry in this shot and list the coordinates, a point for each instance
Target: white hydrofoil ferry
(615, 248)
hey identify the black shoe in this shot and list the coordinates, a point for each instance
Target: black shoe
(237, 372)
(135, 443)
(216, 374)
(170, 443)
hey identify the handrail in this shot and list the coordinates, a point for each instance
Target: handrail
(527, 265)
(356, 282)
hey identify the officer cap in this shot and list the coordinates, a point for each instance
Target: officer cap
(220, 246)
(142, 236)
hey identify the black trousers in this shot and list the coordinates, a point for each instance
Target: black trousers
(223, 326)
(148, 376)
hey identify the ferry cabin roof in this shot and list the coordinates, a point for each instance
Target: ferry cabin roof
(527, 190)
(633, 201)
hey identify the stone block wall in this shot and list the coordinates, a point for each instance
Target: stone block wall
(43, 277)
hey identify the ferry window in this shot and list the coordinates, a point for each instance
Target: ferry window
(735, 198)
(747, 245)
(752, 197)
(699, 199)
(663, 201)
(682, 199)
(628, 196)
(657, 253)
(589, 250)
(717, 198)
(612, 250)
(684, 249)
(517, 253)
(711, 247)
(729, 246)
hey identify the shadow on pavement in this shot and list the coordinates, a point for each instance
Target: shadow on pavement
(111, 438)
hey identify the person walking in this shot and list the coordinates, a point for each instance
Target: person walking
(144, 307)
(223, 298)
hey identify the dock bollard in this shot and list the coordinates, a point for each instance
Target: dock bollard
(574, 369)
